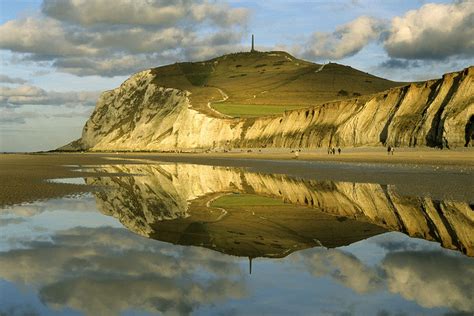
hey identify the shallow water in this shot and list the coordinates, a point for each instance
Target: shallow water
(190, 239)
(69, 180)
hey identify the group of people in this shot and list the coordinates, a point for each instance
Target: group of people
(296, 153)
(390, 150)
(332, 151)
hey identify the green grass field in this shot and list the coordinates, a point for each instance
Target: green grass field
(233, 200)
(252, 110)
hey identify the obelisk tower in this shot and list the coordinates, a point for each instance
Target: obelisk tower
(253, 48)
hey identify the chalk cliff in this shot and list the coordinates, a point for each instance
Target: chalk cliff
(142, 115)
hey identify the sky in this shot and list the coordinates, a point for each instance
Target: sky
(57, 56)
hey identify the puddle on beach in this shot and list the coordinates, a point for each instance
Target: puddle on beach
(69, 180)
(193, 239)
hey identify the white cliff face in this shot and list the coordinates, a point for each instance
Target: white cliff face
(164, 192)
(140, 115)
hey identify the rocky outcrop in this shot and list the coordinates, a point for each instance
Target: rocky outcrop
(165, 192)
(142, 116)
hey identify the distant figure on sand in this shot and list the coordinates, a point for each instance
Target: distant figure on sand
(333, 151)
(339, 150)
(389, 149)
(393, 150)
(296, 154)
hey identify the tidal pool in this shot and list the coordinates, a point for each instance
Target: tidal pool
(192, 239)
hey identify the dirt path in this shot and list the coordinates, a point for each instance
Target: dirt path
(224, 98)
(320, 68)
(223, 210)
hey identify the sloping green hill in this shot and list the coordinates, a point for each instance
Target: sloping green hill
(262, 83)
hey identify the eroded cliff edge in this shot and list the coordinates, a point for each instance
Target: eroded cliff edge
(140, 115)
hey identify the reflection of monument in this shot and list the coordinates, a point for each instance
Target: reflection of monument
(173, 203)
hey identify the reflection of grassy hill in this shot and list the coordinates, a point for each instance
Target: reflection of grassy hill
(233, 200)
(252, 225)
(276, 80)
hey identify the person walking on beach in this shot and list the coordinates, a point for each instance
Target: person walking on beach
(389, 149)
(339, 150)
(297, 154)
(393, 150)
(333, 151)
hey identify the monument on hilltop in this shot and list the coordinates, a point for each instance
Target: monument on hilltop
(253, 47)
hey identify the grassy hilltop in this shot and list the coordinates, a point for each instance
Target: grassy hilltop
(263, 83)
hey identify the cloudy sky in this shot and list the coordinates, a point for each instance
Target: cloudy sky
(57, 55)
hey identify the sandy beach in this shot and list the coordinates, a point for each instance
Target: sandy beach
(439, 173)
(407, 156)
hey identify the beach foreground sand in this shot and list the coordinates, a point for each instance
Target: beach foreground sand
(443, 174)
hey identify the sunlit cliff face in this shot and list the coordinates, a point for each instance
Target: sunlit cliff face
(179, 203)
(142, 115)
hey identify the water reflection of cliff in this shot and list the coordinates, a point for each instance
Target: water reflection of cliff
(172, 202)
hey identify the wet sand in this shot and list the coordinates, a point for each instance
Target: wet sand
(404, 156)
(23, 177)
(439, 174)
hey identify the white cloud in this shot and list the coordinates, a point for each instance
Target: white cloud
(26, 94)
(435, 31)
(159, 13)
(219, 14)
(345, 41)
(112, 37)
(43, 37)
(11, 116)
(13, 80)
(120, 37)
(139, 40)
(115, 11)
(21, 114)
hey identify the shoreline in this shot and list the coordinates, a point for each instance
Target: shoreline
(365, 155)
(441, 175)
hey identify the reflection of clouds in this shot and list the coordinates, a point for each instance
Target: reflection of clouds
(19, 310)
(99, 296)
(432, 279)
(84, 204)
(8, 221)
(103, 271)
(395, 241)
(345, 268)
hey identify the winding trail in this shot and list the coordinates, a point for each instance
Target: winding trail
(223, 210)
(224, 95)
(224, 98)
(320, 69)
